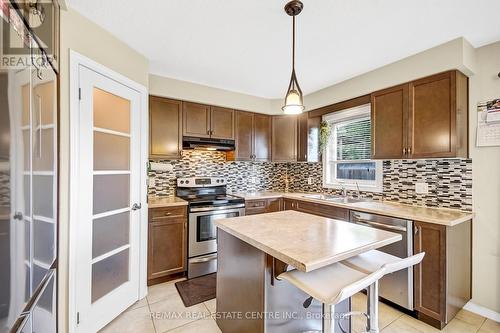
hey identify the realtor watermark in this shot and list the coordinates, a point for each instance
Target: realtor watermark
(21, 47)
(249, 315)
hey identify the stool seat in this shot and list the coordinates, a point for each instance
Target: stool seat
(371, 261)
(331, 284)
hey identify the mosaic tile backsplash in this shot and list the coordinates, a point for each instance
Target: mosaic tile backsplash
(449, 180)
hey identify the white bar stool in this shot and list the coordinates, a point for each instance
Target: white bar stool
(331, 285)
(370, 262)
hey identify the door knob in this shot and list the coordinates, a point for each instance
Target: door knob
(136, 206)
(18, 216)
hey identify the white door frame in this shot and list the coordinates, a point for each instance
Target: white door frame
(75, 61)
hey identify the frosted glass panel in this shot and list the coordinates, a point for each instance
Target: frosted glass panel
(25, 95)
(26, 195)
(38, 275)
(43, 196)
(111, 152)
(111, 111)
(109, 274)
(109, 233)
(26, 149)
(44, 311)
(44, 241)
(45, 160)
(43, 96)
(111, 192)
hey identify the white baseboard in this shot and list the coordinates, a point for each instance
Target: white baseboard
(482, 311)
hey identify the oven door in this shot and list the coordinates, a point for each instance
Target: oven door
(202, 228)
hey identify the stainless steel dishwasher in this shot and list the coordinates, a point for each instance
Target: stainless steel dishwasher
(396, 287)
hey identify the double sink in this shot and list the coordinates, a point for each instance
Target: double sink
(335, 198)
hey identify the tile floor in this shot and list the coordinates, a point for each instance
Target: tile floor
(163, 298)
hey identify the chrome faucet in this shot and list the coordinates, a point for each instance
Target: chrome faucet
(343, 190)
(359, 192)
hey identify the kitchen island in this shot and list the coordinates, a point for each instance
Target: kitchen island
(254, 250)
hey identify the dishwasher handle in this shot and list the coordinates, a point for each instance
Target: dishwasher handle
(369, 223)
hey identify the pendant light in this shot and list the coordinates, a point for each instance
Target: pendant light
(294, 102)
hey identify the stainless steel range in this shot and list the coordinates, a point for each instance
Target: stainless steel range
(208, 202)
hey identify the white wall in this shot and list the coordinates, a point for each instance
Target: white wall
(485, 85)
(455, 54)
(187, 91)
(92, 41)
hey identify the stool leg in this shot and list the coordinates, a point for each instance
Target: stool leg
(372, 307)
(328, 318)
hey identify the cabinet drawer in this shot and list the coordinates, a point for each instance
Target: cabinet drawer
(323, 210)
(167, 212)
(256, 203)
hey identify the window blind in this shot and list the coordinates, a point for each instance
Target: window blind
(353, 139)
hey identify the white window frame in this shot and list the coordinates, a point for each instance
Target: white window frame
(364, 185)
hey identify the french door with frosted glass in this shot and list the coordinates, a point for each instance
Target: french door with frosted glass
(107, 253)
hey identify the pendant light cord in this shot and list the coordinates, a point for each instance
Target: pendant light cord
(293, 48)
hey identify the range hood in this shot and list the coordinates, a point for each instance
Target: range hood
(191, 142)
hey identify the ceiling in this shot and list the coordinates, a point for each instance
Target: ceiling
(245, 46)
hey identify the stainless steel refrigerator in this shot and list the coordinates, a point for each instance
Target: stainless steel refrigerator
(28, 181)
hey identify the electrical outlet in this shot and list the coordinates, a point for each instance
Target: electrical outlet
(253, 180)
(152, 182)
(422, 188)
(257, 180)
(310, 180)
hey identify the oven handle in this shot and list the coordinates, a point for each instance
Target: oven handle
(204, 259)
(377, 224)
(210, 209)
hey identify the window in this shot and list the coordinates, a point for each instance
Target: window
(347, 157)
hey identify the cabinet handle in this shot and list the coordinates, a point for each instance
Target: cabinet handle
(409, 150)
(404, 151)
(168, 213)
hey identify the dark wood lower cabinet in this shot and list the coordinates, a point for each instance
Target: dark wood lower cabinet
(261, 206)
(329, 211)
(167, 243)
(443, 279)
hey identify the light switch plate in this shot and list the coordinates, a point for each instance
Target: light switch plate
(421, 188)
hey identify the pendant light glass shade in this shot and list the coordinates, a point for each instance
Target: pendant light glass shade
(294, 101)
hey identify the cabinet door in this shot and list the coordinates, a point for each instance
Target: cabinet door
(196, 120)
(389, 118)
(167, 252)
(262, 137)
(165, 128)
(221, 123)
(289, 204)
(274, 205)
(284, 138)
(432, 120)
(308, 138)
(430, 274)
(302, 134)
(244, 135)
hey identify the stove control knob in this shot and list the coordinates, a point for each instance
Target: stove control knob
(182, 182)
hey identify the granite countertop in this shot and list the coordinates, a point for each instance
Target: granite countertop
(158, 202)
(443, 216)
(304, 241)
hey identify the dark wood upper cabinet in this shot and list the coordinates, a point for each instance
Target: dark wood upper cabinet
(165, 131)
(389, 111)
(261, 137)
(244, 125)
(196, 120)
(221, 123)
(284, 138)
(253, 137)
(206, 121)
(426, 118)
(438, 116)
(308, 138)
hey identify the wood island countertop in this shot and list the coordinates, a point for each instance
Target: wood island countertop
(304, 241)
(444, 216)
